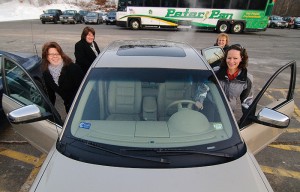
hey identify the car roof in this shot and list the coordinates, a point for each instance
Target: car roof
(149, 53)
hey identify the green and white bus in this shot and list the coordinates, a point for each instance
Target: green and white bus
(229, 16)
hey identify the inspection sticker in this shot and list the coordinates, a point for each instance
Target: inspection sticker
(85, 125)
(218, 126)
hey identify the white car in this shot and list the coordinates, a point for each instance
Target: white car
(133, 125)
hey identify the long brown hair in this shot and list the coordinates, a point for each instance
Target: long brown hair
(86, 31)
(45, 63)
(243, 53)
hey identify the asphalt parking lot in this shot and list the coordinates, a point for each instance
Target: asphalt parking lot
(280, 161)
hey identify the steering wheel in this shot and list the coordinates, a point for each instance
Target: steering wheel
(179, 104)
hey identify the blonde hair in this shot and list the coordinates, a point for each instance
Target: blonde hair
(223, 35)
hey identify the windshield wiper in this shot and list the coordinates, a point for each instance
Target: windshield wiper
(186, 151)
(96, 146)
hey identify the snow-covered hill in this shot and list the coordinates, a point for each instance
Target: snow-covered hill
(11, 10)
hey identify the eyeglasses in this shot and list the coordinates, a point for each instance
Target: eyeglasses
(237, 46)
(53, 54)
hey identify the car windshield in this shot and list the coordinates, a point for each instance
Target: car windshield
(69, 12)
(152, 108)
(111, 14)
(277, 18)
(91, 14)
(50, 11)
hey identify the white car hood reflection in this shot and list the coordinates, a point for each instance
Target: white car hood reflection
(63, 174)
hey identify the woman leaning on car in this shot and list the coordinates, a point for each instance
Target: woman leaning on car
(86, 50)
(234, 78)
(60, 74)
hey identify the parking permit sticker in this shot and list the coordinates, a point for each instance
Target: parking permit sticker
(84, 125)
(218, 126)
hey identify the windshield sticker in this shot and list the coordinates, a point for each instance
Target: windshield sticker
(85, 125)
(218, 126)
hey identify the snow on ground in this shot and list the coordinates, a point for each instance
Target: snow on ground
(14, 10)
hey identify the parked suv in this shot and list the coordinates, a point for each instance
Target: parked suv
(71, 16)
(277, 21)
(50, 15)
(111, 18)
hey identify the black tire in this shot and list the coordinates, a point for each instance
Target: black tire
(55, 21)
(223, 27)
(135, 24)
(237, 28)
(43, 22)
(272, 25)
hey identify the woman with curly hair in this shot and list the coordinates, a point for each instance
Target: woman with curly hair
(235, 80)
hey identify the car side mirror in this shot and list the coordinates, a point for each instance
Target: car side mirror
(27, 114)
(270, 117)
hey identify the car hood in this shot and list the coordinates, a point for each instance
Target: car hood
(60, 173)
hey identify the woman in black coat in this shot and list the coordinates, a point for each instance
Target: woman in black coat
(60, 74)
(86, 50)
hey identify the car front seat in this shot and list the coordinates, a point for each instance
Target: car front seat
(124, 100)
(169, 92)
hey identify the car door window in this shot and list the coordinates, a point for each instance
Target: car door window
(213, 55)
(20, 87)
(277, 92)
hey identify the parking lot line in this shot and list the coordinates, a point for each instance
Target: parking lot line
(19, 156)
(286, 147)
(25, 187)
(297, 111)
(293, 130)
(281, 172)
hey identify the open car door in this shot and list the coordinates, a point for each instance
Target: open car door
(28, 109)
(213, 55)
(271, 110)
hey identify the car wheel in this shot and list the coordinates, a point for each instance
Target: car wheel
(272, 25)
(237, 28)
(135, 24)
(62, 22)
(43, 22)
(223, 27)
(55, 21)
(106, 23)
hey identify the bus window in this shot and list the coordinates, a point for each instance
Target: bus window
(258, 4)
(239, 4)
(224, 4)
(169, 3)
(203, 3)
(186, 4)
(152, 3)
(137, 3)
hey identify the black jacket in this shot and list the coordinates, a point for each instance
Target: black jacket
(85, 55)
(68, 84)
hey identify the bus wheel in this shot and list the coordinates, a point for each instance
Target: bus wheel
(134, 24)
(223, 27)
(237, 28)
